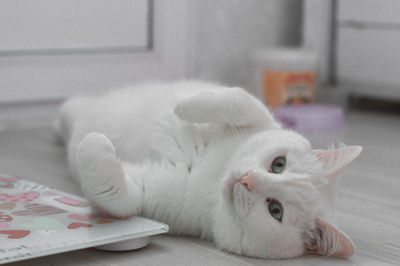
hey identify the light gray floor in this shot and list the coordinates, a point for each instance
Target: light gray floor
(368, 201)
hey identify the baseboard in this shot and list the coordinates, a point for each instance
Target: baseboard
(333, 95)
(31, 114)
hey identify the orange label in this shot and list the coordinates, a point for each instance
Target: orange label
(285, 87)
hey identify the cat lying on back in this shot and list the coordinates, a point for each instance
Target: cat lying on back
(209, 161)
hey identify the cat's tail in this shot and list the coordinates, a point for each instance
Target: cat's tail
(68, 114)
(103, 179)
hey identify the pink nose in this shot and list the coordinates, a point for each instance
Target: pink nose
(248, 181)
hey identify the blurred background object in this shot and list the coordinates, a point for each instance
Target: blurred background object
(286, 75)
(322, 124)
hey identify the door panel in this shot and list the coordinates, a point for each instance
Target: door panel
(384, 11)
(71, 25)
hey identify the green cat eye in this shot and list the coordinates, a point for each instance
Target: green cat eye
(278, 165)
(275, 209)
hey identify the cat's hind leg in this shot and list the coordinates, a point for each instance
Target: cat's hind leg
(104, 181)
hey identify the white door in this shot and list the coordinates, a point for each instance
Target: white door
(50, 49)
(368, 46)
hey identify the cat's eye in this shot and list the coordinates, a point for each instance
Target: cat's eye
(275, 209)
(278, 165)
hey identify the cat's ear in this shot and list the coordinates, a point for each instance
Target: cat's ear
(334, 160)
(327, 240)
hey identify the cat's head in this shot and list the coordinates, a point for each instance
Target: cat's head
(277, 198)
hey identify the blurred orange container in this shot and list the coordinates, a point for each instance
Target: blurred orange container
(286, 75)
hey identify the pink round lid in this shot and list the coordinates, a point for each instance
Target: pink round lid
(310, 117)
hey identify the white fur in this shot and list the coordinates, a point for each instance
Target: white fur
(174, 152)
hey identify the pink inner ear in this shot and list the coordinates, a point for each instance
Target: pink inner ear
(344, 245)
(335, 160)
(326, 240)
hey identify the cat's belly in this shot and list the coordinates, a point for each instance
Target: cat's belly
(185, 191)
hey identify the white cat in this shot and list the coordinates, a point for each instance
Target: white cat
(209, 161)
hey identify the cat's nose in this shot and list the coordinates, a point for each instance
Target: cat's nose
(247, 181)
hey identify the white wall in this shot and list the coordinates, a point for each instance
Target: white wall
(48, 69)
(207, 39)
(226, 32)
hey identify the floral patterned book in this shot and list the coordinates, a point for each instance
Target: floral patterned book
(36, 220)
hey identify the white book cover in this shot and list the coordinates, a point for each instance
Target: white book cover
(36, 220)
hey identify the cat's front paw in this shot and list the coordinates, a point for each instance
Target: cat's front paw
(199, 108)
(103, 178)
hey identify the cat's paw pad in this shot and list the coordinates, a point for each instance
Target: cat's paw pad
(96, 143)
